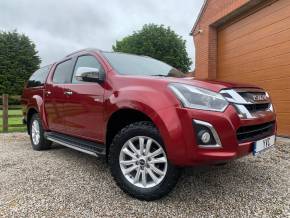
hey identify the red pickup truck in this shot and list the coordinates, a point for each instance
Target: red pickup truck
(145, 117)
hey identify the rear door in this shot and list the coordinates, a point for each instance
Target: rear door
(83, 108)
(55, 95)
(35, 87)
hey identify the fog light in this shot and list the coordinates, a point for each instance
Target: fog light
(205, 137)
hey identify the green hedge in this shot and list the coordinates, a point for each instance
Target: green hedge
(12, 100)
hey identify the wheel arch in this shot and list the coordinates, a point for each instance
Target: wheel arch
(36, 105)
(116, 122)
(30, 112)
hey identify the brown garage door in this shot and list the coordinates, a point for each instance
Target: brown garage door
(256, 49)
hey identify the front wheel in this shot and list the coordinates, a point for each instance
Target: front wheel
(139, 163)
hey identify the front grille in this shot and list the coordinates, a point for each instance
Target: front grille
(256, 132)
(249, 102)
(257, 107)
(250, 96)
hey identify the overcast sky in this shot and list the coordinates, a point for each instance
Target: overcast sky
(59, 27)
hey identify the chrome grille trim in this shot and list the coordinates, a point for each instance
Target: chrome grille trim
(241, 97)
(235, 96)
(243, 111)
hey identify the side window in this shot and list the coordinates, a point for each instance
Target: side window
(38, 77)
(62, 73)
(86, 61)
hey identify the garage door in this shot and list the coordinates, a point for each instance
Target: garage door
(256, 50)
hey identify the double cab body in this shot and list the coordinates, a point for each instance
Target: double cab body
(127, 107)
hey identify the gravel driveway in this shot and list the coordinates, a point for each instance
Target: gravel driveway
(64, 182)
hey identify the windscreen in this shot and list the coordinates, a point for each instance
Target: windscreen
(128, 64)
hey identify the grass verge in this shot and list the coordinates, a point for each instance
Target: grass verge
(13, 121)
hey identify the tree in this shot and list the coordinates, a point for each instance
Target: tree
(157, 42)
(18, 60)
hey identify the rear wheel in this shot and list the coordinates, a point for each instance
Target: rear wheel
(37, 138)
(139, 163)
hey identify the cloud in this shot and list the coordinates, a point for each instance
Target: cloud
(60, 27)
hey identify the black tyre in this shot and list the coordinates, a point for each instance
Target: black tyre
(139, 163)
(37, 138)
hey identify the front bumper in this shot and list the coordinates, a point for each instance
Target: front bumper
(181, 138)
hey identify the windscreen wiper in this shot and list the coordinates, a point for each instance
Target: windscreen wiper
(160, 75)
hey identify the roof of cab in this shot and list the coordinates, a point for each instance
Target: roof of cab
(83, 50)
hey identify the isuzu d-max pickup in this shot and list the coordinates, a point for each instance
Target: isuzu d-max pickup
(145, 117)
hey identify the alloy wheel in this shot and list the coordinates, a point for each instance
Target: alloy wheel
(35, 132)
(143, 162)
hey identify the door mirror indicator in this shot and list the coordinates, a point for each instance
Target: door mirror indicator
(89, 74)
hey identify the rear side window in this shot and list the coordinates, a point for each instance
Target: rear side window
(38, 77)
(63, 72)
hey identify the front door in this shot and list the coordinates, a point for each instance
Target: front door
(83, 109)
(55, 97)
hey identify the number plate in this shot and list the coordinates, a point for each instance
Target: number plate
(263, 144)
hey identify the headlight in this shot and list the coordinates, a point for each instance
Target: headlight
(198, 98)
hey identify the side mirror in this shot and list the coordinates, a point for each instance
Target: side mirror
(89, 74)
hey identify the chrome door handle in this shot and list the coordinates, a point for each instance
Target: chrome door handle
(68, 92)
(48, 93)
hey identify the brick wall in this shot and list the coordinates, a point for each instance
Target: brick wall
(206, 40)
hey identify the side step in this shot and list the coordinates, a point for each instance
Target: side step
(85, 146)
